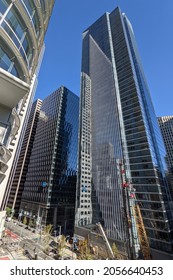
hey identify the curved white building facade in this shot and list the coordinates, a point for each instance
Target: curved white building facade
(23, 24)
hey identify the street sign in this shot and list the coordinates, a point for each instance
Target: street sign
(44, 184)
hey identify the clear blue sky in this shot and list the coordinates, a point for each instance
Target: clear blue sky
(152, 21)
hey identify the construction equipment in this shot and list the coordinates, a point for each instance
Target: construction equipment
(128, 201)
(144, 244)
(136, 236)
(113, 251)
(106, 240)
(133, 209)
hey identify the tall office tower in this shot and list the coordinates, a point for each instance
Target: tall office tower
(121, 154)
(14, 193)
(50, 186)
(23, 26)
(166, 126)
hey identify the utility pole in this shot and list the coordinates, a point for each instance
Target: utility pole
(21, 230)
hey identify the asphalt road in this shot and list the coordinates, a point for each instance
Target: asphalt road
(26, 239)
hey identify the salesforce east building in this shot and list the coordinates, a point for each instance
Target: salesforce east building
(118, 126)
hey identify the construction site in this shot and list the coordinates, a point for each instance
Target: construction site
(135, 247)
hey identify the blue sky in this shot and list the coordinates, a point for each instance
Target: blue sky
(152, 21)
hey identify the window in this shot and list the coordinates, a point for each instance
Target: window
(6, 63)
(3, 6)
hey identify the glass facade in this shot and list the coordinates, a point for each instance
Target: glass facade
(7, 63)
(23, 25)
(166, 126)
(30, 8)
(51, 178)
(18, 21)
(3, 6)
(118, 125)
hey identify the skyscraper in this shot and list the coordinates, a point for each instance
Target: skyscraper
(166, 126)
(14, 193)
(50, 186)
(23, 26)
(118, 127)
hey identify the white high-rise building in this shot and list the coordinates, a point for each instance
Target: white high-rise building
(22, 29)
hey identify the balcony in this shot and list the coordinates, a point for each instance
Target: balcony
(2, 176)
(12, 89)
(3, 166)
(5, 156)
(15, 124)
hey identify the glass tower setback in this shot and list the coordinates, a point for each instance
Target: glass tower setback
(50, 186)
(118, 126)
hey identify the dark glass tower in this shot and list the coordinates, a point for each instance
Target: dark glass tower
(50, 186)
(118, 127)
(166, 127)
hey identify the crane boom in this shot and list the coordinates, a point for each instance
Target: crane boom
(106, 240)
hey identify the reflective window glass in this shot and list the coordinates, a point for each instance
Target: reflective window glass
(6, 63)
(18, 32)
(30, 8)
(3, 6)
(14, 24)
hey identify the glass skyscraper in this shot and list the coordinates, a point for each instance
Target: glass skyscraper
(166, 126)
(50, 186)
(118, 127)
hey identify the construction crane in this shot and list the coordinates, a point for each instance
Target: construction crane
(114, 254)
(144, 244)
(106, 240)
(142, 236)
(131, 208)
(126, 209)
(128, 200)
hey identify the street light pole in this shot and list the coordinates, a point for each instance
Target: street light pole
(21, 230)
(20, 216)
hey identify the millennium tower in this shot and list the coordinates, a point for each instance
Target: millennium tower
(22, 29)
(121, 153)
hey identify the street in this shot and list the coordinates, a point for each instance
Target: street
(19, 239)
